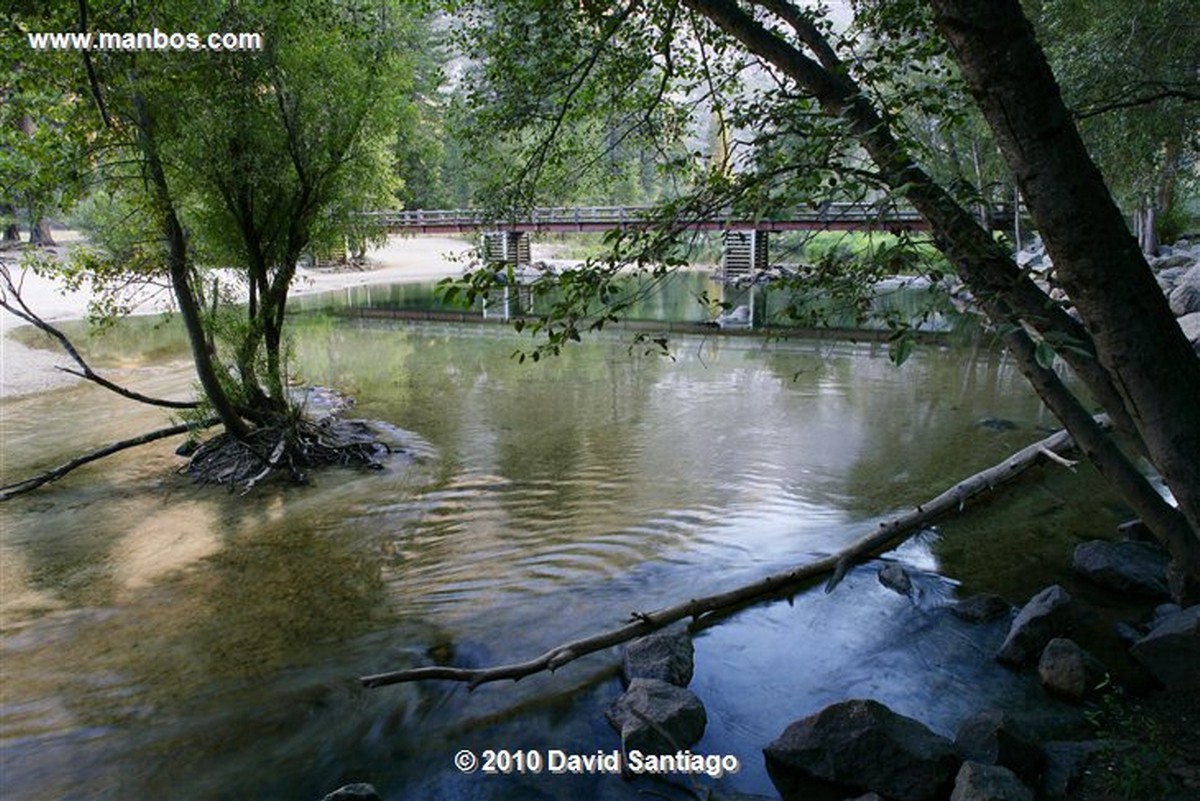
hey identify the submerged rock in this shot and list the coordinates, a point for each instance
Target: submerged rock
(1171, 651)
(1038, 622)
(866, 746)
(895, 578)
(977, 782)
(982, 608)
(354, 792)
(665, 655)
(1139, 567)
(655, 717)
(991, 737)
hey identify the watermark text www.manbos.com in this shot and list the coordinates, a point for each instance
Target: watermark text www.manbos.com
(145, 40)
(504, 761)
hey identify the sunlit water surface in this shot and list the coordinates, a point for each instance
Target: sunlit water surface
(168, 641)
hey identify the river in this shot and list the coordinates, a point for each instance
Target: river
(167, 641)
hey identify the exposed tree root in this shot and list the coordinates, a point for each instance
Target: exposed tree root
(887, 535)
(288, 450)
(21, 487)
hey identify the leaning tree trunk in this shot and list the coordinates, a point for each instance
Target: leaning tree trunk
(177, 263)
(39, 233)
(1006, 295)
(1097, 261)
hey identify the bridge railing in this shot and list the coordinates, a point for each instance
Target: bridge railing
(629, 215)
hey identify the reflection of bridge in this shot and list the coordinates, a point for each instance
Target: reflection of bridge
(829, 216)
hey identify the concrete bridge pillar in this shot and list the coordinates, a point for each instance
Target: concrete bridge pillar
(506, 247)
(744, 253)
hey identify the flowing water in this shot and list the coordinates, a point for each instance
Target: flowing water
(167, 641)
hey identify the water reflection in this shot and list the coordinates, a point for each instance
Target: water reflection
(165, 640)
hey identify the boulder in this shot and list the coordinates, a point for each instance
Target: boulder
(1138, 567)
(655, 717)
(1171, 651)
(865, 746)
(1190, 323)
(354, 792)
(1068, 671)
(895, 578)
(664, 655)
(982, 608)
(1038, 622)
(1173, 261)
(978, 782)
(990, 737)
(1066, 761)
(1184, 299)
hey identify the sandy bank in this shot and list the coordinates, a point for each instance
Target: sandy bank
(24, 369)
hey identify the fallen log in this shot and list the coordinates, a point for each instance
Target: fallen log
(21, 487)
(887, 535)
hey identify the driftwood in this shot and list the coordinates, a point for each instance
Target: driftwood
(21, 487)
(885, 536)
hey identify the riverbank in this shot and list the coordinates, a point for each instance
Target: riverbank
(25, 369)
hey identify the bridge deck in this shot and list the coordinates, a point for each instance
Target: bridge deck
(832, 216)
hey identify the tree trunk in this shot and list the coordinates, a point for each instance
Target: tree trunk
(39, 233)
(1006, 295)
(12, 233)
(178, 265)
(1096, 259)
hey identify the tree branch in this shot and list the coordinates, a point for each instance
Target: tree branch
(887, 535)
(21, 487)
(10, 299)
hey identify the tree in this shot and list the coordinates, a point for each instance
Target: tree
(242, 159)
(787, 70)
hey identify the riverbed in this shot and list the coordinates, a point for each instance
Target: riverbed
(164, 640)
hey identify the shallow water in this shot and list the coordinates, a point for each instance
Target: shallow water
(162, 640)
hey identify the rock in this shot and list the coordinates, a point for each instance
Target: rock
(894, 577)
(982, 608)
(664, 655)
(1139, 567)
(866, 746)
(977, 782)
(1068, 671)
(991, 738)
(868, 797)
(655, 717)
(354, 792)
(1174, 261)
(997, 424)
(1039, 621)
(1135, 530)
(1184, 299)
(1190, 323)
(1171, 651)
(1065, 762)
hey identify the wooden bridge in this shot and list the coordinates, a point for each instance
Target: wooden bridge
(829, 216)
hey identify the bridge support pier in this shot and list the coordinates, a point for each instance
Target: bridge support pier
(506, 247)
(744, 255)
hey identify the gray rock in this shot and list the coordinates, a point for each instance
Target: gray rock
(1184, 299)
(1190, 323)
(664, 655)
(1065, 763)
(976, 782)
(868, 797)
(655, 717)
(1175, 261)
(1171, 651)
(865, 746)
(982, 608)
(1068, 671)
(895, 578)
(991, 737)
(1038, 622)
(1139, 567)
(354, 792)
